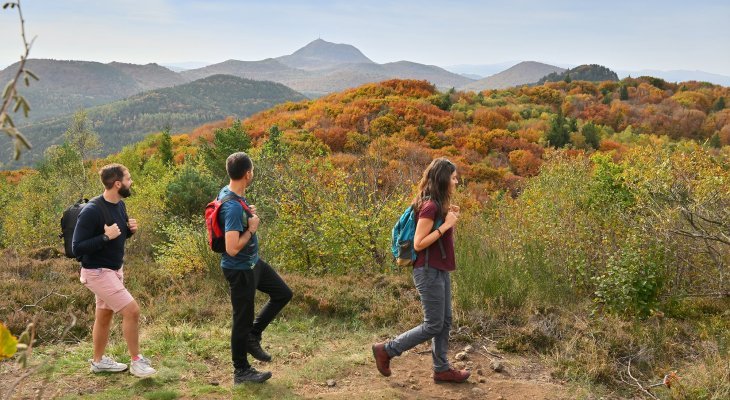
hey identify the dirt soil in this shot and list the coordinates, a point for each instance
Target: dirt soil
(521, 378)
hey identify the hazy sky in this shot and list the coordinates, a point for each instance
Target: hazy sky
(619, 34)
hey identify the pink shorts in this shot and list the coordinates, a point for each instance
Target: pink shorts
(108, 286)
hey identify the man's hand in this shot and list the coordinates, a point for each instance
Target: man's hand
(253, 209)
(253, 223)
(132, 225)
(112, 231)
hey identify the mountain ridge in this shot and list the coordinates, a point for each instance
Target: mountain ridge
(522, 73)
(179, 107)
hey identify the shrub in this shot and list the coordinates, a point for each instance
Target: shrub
(632, 282)
(189, 191)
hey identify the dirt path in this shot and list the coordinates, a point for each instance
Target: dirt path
(522, 378)
(300, 372)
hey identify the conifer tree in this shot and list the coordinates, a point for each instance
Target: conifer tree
(165, 149)
(719, 104)
(623, 93)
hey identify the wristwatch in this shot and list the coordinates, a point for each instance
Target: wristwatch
(104, 238)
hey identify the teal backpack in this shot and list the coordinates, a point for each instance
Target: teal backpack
(402, 239)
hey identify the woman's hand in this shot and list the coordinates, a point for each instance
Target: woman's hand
(451, 219)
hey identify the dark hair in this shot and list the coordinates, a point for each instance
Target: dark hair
(434, 185)
(111, 173)
(238, 164)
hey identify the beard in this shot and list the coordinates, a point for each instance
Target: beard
(125, 192)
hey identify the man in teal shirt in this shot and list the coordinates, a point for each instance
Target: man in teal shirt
(246, 272)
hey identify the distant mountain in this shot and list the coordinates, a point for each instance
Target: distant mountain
(321, 67)
(472, 76)
(66, 86)
(520, 74)
(185, 65)
(320, 54)
(479, 70)
(150, 76)
(265, 70)
(181, 107)
(586, 72)
(678, 76)
(436, 75)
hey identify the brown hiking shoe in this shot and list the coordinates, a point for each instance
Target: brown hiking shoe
(451, 375)
(382, 359)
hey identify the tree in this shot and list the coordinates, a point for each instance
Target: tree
(623, 93)
(165, 149)
(558, 134)
(189, 191)
(274, 148)
(719, 104)
(84, 141)
(226, 141)
(10, 94)
(590, 133)
(715, 140)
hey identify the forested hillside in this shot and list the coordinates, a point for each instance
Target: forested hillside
(499, 137)
(178, 108)
(65, 86)
(593, 73)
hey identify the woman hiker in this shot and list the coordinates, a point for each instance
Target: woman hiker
(431, 273)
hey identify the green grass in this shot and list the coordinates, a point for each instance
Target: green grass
(194, 361)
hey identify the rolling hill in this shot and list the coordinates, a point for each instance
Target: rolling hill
(519, 74)
(66, 86)
(586, 72)
(180, 107)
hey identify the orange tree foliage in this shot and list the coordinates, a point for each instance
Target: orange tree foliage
(496, 135)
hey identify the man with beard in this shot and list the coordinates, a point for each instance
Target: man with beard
(98, 241)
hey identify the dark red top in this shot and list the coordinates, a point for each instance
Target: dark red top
(428, 211)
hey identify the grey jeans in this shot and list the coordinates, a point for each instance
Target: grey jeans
(434, 288)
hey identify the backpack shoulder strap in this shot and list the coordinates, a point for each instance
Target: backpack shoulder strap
(124, 209)
(99, 201)
(232, 196)
(436, 224)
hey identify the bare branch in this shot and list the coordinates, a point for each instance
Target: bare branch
(636, 381)
(41, 299)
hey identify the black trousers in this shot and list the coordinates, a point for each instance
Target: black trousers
(243, 284)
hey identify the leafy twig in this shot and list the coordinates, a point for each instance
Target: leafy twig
(10, 92)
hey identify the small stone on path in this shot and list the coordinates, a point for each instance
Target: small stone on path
(496, 366)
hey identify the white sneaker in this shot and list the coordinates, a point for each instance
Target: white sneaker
(142, 368)
(107, 364)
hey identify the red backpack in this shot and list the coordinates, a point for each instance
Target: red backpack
(216, 236)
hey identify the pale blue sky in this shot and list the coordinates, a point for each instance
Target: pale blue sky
(620, 34)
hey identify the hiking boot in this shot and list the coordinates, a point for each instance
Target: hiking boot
(142, 368)
(451, 375)
(107, 364)
(253, 346)
(250, 375)
(382, 359)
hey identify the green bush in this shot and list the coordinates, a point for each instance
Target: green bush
(189, 191)
(186, 250)
(632, 282)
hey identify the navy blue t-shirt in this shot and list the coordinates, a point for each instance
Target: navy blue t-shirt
(88, 242)
(233, 218)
